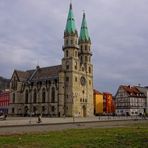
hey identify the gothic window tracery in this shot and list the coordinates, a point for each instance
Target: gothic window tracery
(26, 96)
(43, 95)
(53, 94)
(34, 96)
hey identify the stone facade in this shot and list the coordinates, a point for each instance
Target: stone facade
(62, 90)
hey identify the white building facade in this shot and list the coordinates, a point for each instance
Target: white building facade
(130, 101)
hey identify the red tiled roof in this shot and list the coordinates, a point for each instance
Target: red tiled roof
(132, 91)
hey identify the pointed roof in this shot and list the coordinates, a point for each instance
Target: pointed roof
(84, 35)
(70, 25)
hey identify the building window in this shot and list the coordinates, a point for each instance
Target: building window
(34, 96)
(53, 94)
(81, 47)
(75, 79)
(52, 108)
(76, 65)
(89, 70)
(13, 110)
(86, 59)
(67, 66)
(67, 79)
(34, 110)
(13, 98)
(66, 53)
(43, 95)
(26, 96)
(43, 109)
(85, 47)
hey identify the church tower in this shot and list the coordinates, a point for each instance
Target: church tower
(77, 71)
(86, 66)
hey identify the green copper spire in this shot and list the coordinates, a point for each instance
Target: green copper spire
(70, 25)
(84, 35)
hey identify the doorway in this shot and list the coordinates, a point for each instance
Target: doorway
(84, 111)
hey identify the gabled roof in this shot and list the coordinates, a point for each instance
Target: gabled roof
(132, 91)
(38, 73)
(47, 72)
(23, 75)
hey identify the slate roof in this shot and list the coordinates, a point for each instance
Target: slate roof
(39, 73)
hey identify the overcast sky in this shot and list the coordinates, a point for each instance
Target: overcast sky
(31, 33)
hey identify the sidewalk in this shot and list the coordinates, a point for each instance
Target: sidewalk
(31, 121)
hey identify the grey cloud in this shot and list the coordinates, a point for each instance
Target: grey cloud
(31, 32)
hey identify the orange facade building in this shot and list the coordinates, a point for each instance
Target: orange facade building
(98, 102)
(108, 103)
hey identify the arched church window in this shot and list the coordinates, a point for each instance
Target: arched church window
(85, 47)
(13, 98)
(43, 95)
(67, 65)
(53, 94)
(34, 96)
(86, 59)
(76, 65)
(66, 53)
(81, 47)
(89, 70)
(26, 96)
(81, 59)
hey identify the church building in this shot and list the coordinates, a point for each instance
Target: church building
(61, 90)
